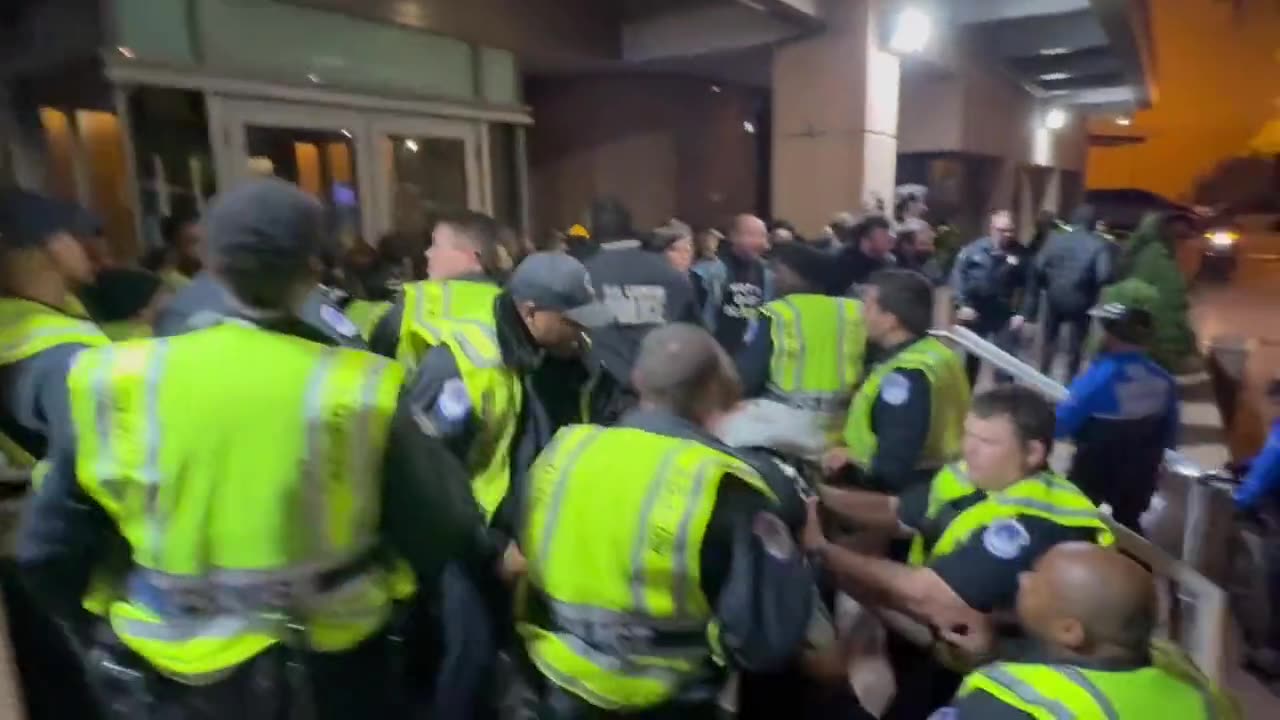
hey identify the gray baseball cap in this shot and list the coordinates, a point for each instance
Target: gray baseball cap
(556, 281)
(267, 217)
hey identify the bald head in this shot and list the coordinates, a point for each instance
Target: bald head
(749, 236)
(1090, 600)
(682, 368)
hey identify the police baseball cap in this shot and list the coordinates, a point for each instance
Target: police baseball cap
(1127, 322)
(558, 282)
(28, 220)
(266, 217)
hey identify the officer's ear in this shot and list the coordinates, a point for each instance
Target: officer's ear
(1067, 632)
(1037, 454)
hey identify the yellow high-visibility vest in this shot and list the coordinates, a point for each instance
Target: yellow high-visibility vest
(1045, 495)
(818, 347)
(949, 402)
(496, 396)
(612, 609)
(365, 314)
(1066, 692)
(436, 308)
(246, 528)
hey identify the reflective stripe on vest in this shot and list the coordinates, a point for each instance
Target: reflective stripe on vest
(818, 343)
(365, 314)
(434, 310)
(614, 610)
(949, 401)
(1065, 692)
(28, 328)
(496, 395)
(1045, 495)
(247, 528)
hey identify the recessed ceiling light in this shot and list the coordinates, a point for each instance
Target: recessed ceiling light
(1124, 120)
(1055, 51)
(1055, 76)
(749, 126)
(128, 53)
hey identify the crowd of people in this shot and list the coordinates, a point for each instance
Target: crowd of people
(624, 475)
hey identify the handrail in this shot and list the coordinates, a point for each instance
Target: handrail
(1206, 638)
(1025, 374)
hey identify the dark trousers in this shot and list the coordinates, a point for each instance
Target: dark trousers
(475, 620)
(1128, 493)
(791, 693)
(1054, 322)
(279, 684)
(1004, 338)
(923, 684)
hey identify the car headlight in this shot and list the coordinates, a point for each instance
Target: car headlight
(1222, 238)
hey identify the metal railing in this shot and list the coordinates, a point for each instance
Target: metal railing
(1198, 618)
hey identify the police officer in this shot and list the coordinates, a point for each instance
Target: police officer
(973, 529)
(805, 350)
(642, 290)
(1122, 414)
(652, 551)
(1072, 269)
(471, 392)
(41, 267)
(248, 554)
(462, 262)
(1091, 613)
(204, 302)
(906, 419)
(990, 276)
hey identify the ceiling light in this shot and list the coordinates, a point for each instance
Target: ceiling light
(1055, 51)
(313, 77)
(1055, 119)
(1055, 76)
(346, 132)
(911, 33)
(749, 126)
(411, 145)
(715, 88)
(128, 53)
(1124, 120)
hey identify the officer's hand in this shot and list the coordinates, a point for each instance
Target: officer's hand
(834, 460)
(1017, 322)
(966, 314)
(976, 640)
(812, 537)
(513, 565)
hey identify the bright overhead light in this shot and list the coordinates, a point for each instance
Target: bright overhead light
(1055, 119)
(1055, 51)
(346, 132)
(911, 33)
(1124, 120)
(1055, 76)
(125, 52)
(715, 88)
(411, 145)
(749, 126)
(313, 77)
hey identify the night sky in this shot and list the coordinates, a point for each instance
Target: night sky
(1218, 82)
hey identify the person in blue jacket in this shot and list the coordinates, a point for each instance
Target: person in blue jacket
(1261, 483)
(1122, 413)
(1258, 497)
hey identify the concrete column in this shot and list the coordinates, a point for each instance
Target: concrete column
(835, 118)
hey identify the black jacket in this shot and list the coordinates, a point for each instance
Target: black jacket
(991, 279)
(1071, 270)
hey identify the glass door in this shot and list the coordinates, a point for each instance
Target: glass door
(425, 167)
(318, 148)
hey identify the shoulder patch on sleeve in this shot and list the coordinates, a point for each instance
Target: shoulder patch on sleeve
(895, 389)
(1005, 539)
(454, 403)
(337, 320)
